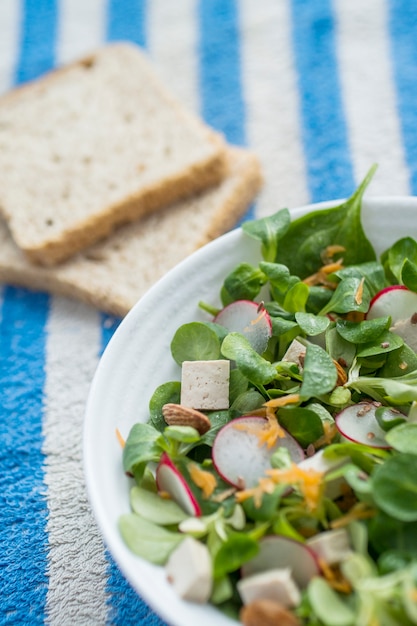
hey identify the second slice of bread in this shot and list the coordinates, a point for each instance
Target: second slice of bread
(93, 145)
(112, 275)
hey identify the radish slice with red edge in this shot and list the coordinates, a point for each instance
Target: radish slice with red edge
(249, 319)
(397, 301)
(170, 480)
(238, 456)
(278, 551)
(359, 424)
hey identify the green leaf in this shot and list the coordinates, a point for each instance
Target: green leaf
(195, 341)
(233, 553)
(296, 297)
(183, 434)
(362, 332)
(409, 274)
(309, 235)
(345, 300)
(154, 508)
(387, 342)
(164, 394)
(141, 447)
(372, 272)
(269, 230)
(257, 369)
(395, 487)
(327, 605)
(148, 540)
(303, 424)
(277, 274)
(311, 324)
(244, 283)
(319, 373)
(402, 249)
(403, 438)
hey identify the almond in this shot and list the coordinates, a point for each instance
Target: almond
(264, 612)
(179, 415)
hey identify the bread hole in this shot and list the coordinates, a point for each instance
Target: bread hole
(141, 167)
(87, 64)
(111, 185)
(87, 160)
(128, 117)
(65, 193)
(167, 150)
(56, 158)
(49, 221)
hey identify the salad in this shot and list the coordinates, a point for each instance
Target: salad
(276, 479)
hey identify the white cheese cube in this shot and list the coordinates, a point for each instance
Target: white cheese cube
(333, 546)
(295, 353)
(205, 384)
(274, 584)
(189, 570)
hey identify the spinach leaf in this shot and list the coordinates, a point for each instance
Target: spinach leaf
(345, 298)
(233, 553)
(409, 274)
(319, 374)
(142, 446)
(309, 235)
(243, 283)
(164, 394)
(405, 248)
(257, 370)
(403, 438)
(362, 332)
(311, 324)
(302, 423)
(195, 341)
(395, 487)
(268, 231)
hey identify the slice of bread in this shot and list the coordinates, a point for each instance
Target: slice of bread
(113, 274)
(96, 144)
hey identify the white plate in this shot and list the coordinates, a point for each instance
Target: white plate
(138, 359)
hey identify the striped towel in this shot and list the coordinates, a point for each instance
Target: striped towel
(320, 89)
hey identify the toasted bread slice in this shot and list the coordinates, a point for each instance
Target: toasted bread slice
(93, 145)
(112, 275)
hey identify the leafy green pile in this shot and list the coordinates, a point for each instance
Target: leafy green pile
(381, 512)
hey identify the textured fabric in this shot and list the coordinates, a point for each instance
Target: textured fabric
(320, 89)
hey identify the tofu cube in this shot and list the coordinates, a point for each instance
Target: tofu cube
(189, 570)
(333, 546)
(295, 354)
(274, 584)
(205, 384)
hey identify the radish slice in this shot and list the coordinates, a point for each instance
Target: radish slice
(278, 551)
(238, 456)
(248, 318)
(396, 301)
(358, 423)
(170, 480)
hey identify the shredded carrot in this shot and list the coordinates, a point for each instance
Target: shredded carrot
(203, 479)
(291, 398)
(341, 374)
(309, 482)
(268, 433)
(120, 438)
(329, 252)
(330, 432)
(259, 318)
(358, 511)
(164, 495)
(359, 292)
(334, 577)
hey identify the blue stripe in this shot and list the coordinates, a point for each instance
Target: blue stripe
(37, 45)
(403, 30)
(325, 138)
(222, 100)
(23, 539)
(24, 542)
(127, 21)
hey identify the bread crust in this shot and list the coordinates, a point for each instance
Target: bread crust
(112, 275)
(48, 233)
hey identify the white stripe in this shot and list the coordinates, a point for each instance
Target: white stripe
(172, 38)
(9, 41)
(369, 95)
(82, 25)
(77, 567)
(272, 105)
